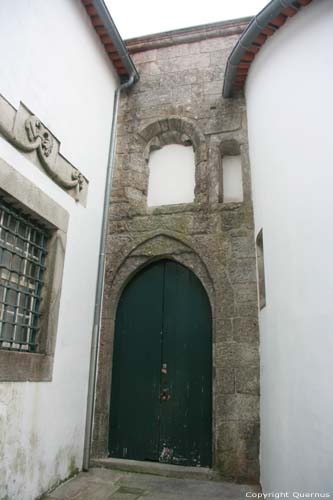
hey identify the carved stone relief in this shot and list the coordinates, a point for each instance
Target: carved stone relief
(28, 134)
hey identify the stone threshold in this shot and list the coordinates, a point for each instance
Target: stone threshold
(155, 468)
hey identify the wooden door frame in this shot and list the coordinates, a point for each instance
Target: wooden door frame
(195, 291)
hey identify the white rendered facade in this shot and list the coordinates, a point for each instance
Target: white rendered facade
(289, 107)
(53, 61)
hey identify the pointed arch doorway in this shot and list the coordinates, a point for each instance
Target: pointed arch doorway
(161, 395)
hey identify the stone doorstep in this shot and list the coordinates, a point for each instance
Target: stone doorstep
(126, 493)
(102, 483)
(155, 468)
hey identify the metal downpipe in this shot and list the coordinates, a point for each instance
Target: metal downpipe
(100, 278)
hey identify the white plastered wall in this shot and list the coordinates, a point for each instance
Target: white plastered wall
(53, 61)
(290, 109)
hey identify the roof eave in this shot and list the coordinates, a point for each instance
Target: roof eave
(111, 39)
(263, 25)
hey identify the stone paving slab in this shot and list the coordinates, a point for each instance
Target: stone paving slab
(106, 484)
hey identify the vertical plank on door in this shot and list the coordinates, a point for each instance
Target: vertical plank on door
(134, 417)
(186, 408)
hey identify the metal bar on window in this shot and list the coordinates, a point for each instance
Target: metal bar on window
(22, 264)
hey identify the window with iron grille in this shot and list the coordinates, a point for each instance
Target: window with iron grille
(33, 235)
(23, 252)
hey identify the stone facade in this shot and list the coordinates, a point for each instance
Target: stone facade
(178, 100)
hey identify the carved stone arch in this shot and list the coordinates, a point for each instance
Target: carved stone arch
(155, 247)
(178, 130)
(133, 258)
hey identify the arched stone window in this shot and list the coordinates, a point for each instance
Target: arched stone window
(171, 176)
(176, 154)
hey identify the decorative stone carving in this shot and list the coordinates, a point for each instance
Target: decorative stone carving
(39, 135)
(28, 134)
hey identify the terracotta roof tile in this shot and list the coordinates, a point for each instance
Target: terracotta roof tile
(119, 60)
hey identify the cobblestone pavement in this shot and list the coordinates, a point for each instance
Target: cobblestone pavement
(105, 484)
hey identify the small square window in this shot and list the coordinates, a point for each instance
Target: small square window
(23, 250)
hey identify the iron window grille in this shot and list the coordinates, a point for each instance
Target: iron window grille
(23, 250)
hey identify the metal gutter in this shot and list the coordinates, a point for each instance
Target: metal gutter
(254, 29)
(100, 275)
(112, 31)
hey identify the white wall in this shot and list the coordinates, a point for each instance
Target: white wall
(171, 176)
(290, 110)
(53, 61)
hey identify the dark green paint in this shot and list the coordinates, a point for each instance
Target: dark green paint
(161, 398)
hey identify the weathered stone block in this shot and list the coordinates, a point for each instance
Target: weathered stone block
(184, 50)
(246, 329)
(242, 246)
(147, 56)
(247, 308)
(149, 131)
(225, 380)
(232, 216)
(247, 380)
(223, 330)
(249, 435)
(213, 87)
(225, 354)
(242, 271)
(245, 292)
(246, 354)
(149, 68)
(161, 245)
(238, 406)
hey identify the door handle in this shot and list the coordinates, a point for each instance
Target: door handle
(164, 395)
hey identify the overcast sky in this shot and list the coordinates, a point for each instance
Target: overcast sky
(142, 17)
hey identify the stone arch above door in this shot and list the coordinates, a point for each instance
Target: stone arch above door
(156, 246)
(126, 264)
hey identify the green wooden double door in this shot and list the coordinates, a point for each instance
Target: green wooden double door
(161, 395)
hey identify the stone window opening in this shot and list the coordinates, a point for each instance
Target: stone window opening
(261, 269)
(231, 175)
(32, 251)
(171, 175)
(179, 145)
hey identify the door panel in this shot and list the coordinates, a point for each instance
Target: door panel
(185, 429)
(161, 384)
(136, 368)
